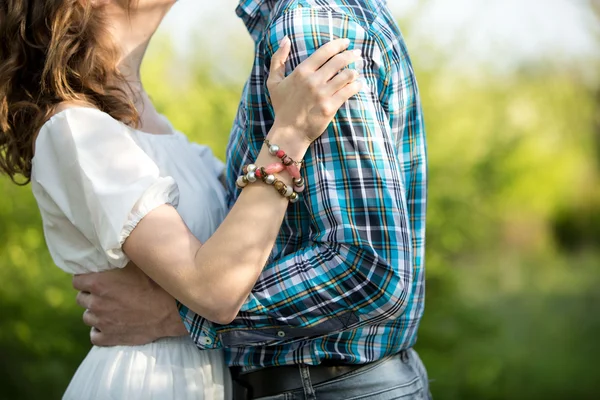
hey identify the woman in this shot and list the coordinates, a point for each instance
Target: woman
(117, 185)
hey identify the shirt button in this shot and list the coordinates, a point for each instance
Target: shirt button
(207, 341)
(281, 334)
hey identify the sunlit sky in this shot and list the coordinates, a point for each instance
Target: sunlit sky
(493, 31)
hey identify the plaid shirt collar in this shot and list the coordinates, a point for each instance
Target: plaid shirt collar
(251, 8)
(255, 14)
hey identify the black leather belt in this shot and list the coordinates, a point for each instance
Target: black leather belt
(276, 380)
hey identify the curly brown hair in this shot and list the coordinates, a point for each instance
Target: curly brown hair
(51, 52)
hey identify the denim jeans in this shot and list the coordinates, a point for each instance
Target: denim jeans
(396, 377)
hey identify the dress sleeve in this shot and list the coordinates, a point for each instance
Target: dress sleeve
(99, 178)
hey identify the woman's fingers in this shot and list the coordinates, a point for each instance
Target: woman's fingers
(341, 80)
(337, 63)
(278, 60)
(344, 94)
(322, 55)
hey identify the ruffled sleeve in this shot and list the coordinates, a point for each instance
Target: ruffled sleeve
(100, 179)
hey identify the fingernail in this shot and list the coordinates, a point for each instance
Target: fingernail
(346, 42)
(357, 52)
(284, 42)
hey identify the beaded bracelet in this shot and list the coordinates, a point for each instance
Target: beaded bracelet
(275, 168)
(290, 165)
(252, 174)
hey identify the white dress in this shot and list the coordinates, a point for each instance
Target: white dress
(94, 179)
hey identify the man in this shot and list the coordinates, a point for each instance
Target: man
(336, 311)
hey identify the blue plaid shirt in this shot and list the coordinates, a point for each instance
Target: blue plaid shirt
(345, 281)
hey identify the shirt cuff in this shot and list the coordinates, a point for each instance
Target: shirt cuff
(201, 330)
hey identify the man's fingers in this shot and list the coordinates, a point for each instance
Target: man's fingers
(100, 339)
(84, 300)
(324, 54)
(84, 283)
(104, 339)
(90, 319)
(277, 73)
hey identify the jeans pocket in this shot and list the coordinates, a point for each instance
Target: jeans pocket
(412, 390)
(388, 379)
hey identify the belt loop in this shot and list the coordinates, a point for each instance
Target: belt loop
(404, 356)
(309, 391)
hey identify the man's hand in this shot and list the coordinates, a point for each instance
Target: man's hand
(125, 307)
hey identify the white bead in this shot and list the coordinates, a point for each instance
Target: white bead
(294, 199)
(240, 182)
(288, 191)
(251, 168)
(270, 179)
(251, 177)
(273, 149)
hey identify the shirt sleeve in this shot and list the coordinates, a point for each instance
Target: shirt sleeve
(358, 268)
(99, 178)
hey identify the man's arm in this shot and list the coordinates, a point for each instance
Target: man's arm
(358, 267)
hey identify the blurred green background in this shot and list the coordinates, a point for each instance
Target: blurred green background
(513, 255)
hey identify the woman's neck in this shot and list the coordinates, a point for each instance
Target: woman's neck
(133, 31)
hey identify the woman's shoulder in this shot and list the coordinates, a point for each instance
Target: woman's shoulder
(72, 126)
(66, 105)
(76, 111)
(75, 118)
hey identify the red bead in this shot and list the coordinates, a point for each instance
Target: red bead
(258, 173)
(274, 168)
(280, 154)
(294, 171)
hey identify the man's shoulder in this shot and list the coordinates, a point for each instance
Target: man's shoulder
(361, 12)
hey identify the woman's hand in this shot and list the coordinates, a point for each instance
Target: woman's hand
(307, 100)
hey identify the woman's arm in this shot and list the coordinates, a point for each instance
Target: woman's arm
(215, 279)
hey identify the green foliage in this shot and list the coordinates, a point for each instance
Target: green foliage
(42, 338)
(512, 295)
